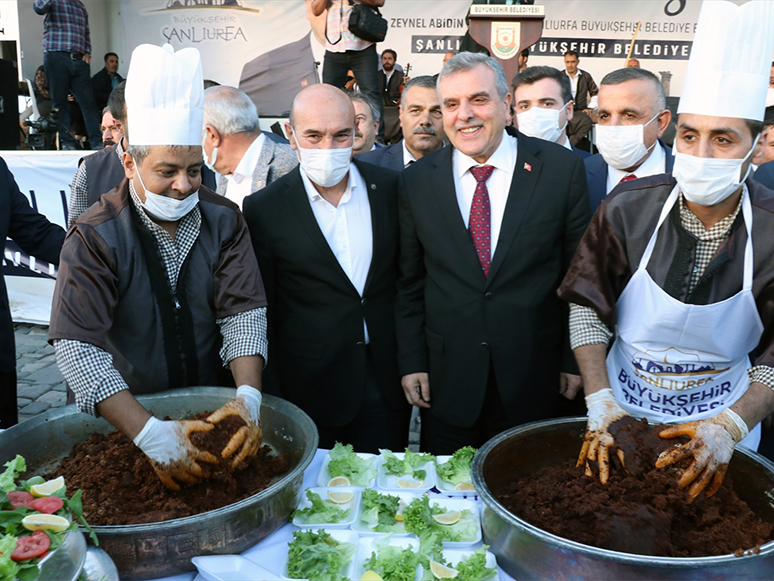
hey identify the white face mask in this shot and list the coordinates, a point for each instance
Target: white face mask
(542, 123)
(207, 162)
(325, 167)
(623, 146)
(163, 207)
(707, 181)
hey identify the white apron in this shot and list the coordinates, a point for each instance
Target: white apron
(674, 363)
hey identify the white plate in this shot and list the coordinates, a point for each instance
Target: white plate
(448, 489)
(454, 556)
(353, 507)
(366, 547)
(325, 476)
(363, 529)
(231, 568)
(452, 504)
(342, 537)
(390, 482)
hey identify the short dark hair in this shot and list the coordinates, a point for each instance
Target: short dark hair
(373, 106)
(623, 75)
(755, 127)
(768, 116)
(572, 53)
(394, 54)
(423, 81)
(117, 104)
(109, 54)
(532, 75)
(525, 52)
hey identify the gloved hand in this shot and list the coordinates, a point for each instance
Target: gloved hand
(712, 445)
(603, 411)
(170, 451)
(246, 405)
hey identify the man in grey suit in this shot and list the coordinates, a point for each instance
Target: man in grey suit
(422, 123)
(235, 147)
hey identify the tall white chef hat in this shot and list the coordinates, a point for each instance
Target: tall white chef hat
(165, 96)
(728, 72)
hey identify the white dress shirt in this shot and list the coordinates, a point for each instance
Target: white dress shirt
(347, 227)
(498, 185)
(654, 165)
(770, 97)
(408, 157)
(567, 144)
(241, 181)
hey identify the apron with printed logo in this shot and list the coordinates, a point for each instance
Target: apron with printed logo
(674, 363)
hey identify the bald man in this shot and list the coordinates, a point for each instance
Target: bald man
(326, 240)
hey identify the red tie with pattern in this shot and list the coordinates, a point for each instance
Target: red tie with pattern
(480, 223)
(628, 178)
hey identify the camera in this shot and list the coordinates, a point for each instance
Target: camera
(43, 131)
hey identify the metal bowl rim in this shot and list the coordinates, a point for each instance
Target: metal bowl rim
(495, 506)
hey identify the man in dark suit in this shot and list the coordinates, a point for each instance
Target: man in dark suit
(487, 230)
(628, 98)
(421, 123)
(106, 80)
(326, 238)
(765, 175)
(390, 80)
(38, 237)
(584, 93)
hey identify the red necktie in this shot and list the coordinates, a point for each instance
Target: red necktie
(480, 223)
(628, 178)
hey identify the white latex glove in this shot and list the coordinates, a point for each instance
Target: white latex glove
(170, 451)
(246, 405)
(603, 411)
(712, 444)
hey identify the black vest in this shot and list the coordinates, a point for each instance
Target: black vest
(104, 171)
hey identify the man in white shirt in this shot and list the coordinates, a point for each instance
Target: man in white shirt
(326, 237)
(632, 118)
(235, 147)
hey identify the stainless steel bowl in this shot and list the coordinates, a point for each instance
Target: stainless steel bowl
(66, 562)
(153, 550)
(527, 552)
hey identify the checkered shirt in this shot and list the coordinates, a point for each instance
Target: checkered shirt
(587, 329)
(89, 370)
(79, 196)
(337, 27)
(66, 25)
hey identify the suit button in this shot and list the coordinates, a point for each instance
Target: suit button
(362, 302)
(485, 346)
(488, 295)
(360, 344)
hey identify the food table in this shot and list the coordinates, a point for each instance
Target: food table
(271, 552)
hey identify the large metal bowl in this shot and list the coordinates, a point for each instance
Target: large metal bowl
(527, 552)
(146, 551)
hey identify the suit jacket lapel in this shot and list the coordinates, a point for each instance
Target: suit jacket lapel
(261, 173)
(525, 177)
(377, 223)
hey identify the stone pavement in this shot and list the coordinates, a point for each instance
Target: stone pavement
(42, 387)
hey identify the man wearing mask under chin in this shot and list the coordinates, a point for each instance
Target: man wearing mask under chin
(157, 287)
(632, 118)
(326, 238)
(681, 267)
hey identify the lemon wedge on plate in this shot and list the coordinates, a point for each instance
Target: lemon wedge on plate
(340, 497)
(399, 513)
(442, 571)
(410, 483)
(45, 522)
(371, 576)
(47, 488)
(447, 518)
(464, 486)
(339, 481)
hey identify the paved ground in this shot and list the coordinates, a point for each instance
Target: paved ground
(42, 387)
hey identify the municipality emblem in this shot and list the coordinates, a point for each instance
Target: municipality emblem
(505, 39)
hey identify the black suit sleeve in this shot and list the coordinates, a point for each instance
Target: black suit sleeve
(410, 304)
(29, 229)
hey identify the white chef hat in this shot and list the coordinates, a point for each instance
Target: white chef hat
(728, 72)
(165, 96)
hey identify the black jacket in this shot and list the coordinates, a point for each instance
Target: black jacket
(390, 91)
(586, 88)
(317, 354)
(102, 84)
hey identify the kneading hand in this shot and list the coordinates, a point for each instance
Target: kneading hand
(246, 405)
(712, 445)
(168, 446)
(603, 411)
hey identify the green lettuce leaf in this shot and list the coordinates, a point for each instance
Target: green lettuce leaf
(8, 568)
(12, 470)
(457, 469)
(321, 511)
(473, 568)
(418, 518)
(344, 462)
(392, 563)
(316, 556)
(379, 512)
(408, 466)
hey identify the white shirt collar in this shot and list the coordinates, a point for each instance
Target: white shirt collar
(655, 164)
(567, 143)
(503, 158)
(408, 157)
(249, 160)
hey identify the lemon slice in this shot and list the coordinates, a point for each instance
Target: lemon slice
(371, 576)
(409, 483)
(340, 497)
(464, 486)
(447, 518)
(45, 522)
(442, 571)
(47, 488)
(339, 481)
(399, 513)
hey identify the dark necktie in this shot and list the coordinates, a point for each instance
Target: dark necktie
(628, 178)
(480, 223)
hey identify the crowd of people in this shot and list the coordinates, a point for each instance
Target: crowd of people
(482, 268)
